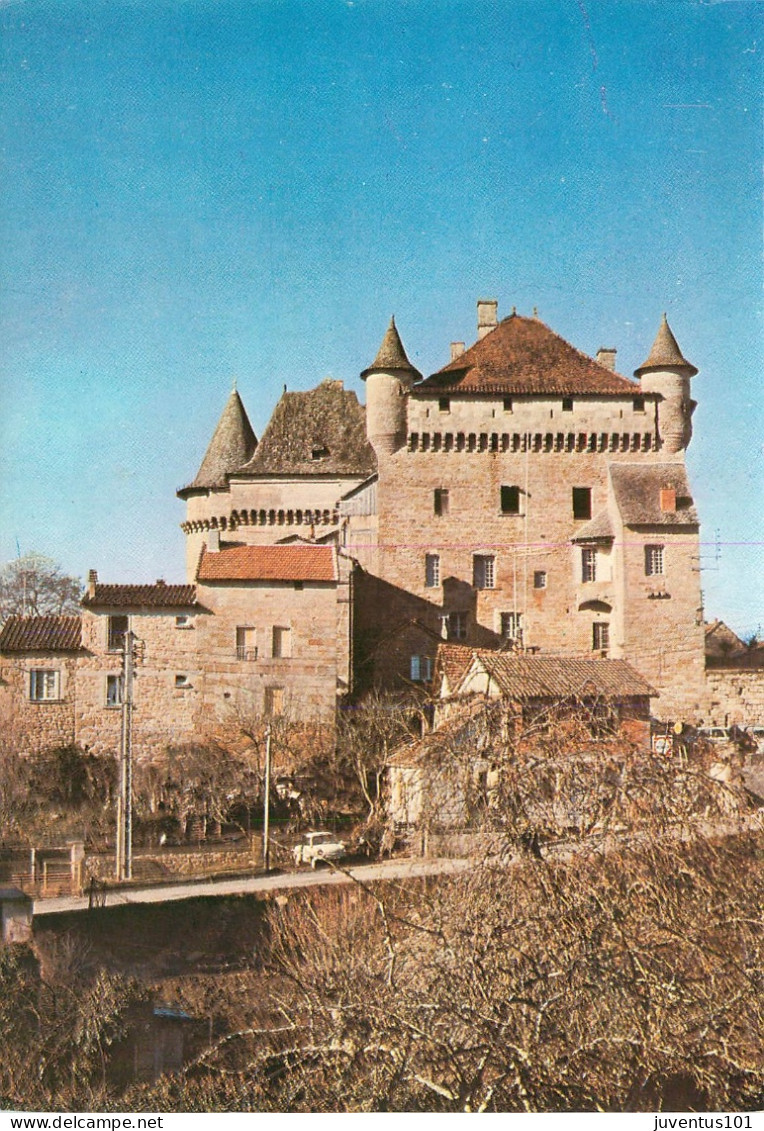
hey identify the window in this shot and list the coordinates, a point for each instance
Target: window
(444, 404)
(282, 642)
(114, 691)
(510, 500)
(653, 560)
(582, 502)
(539, 579)
(508, 405)
(319, 453)
(117, 630)
(588, 564)
(511, 627)
(421, 669)
(484, 571)
(43, 685)
(184, 622)
(639, 404)
(246, 643)
(440, 501)
(274, 701)
(432, 570)
(182, 680)
(600, 636)
(454, 626)
(567, 404)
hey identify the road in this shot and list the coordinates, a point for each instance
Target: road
(252, 885)
(399, 869)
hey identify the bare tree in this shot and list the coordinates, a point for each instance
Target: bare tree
(35, 585)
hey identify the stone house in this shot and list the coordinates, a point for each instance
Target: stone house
(39, 657)
(441, 777)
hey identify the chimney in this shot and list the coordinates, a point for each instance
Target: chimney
(668, 500)
(606, 357)
(457, 349)
(213, 541)
(487, 320)
(92, 582)
(161, 581)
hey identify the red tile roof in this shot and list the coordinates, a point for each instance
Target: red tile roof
(522, 355)
(159, 596)
(269, 563)
(41, 634)
(523, 677)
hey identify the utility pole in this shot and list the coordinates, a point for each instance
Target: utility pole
(124, 861)
(266, 801)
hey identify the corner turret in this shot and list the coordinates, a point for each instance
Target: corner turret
(388, 380)
(667, 372)
(233, 443)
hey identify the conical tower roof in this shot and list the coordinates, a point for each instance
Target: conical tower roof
(665, 353)
(391, 356)
(233, 443)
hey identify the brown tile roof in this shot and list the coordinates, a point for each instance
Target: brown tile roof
(523, 677)
(391, 356)
(665, 353)
(232, 444)
(41, 634)
(637, 489)
(522, 355)
(319, 432)
(721, 641)
(452, 661)
(159, 596)
(292, 562)
(598, 529)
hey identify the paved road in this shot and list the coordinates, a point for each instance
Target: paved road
(244, 885)
(399, 869)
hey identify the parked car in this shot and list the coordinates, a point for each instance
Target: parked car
(715, 735)
(318, 846)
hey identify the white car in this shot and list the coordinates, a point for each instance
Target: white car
(317, 846)
(756, 734)
(714, 734)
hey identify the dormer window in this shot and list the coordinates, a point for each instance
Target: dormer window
(319, 453)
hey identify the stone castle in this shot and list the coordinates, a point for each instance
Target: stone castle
(524, 497)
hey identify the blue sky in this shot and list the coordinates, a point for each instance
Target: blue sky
(201, 190)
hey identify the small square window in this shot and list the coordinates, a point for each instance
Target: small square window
(420, 669)
(440, 501)
(182, 680)
(653, 561)
(567, 404)
(639, 404)
(432, 570)
(444, 404)
(454, 626)
(484, 571)
(184, 622)
(114, 691)
(508, 404)
(582, 502)
(600, 636)
(510, 500)
(511, 627)
(44, 685)
(539, 579)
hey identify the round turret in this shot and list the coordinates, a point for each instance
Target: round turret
(667, 372)
(388, 380)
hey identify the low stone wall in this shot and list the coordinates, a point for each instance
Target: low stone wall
(735, 696)
(163, 865)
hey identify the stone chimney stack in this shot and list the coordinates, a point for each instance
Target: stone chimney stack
(457, 349)
(486, 315)
(213, 541)
(92, 582)
(668, 500)
(606, 357)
